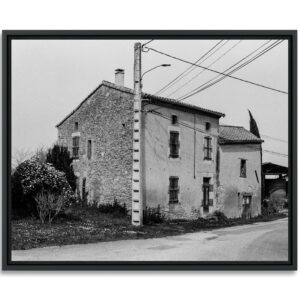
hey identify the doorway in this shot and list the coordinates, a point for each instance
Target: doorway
(205, 189)
(246, 212)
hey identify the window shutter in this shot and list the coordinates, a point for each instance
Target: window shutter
(211, 187)
(211, 202)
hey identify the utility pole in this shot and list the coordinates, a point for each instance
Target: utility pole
(137, 193)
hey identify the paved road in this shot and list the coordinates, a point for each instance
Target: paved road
(255, 242)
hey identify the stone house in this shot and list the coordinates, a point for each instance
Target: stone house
(191, 166)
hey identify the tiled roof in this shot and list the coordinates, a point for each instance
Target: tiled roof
(154, 99)
(236, 135)
(160, 100)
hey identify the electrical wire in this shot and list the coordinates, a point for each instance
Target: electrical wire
(210, 83)
(276, 153)
(274, 138)
(237, 68)
(143, 45)
(190, 68)
(215, 71)
(206, 133)
(197, 75)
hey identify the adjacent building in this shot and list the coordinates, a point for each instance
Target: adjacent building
(275, 184)
(191, 166)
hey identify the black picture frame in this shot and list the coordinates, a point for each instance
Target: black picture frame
(9, 35)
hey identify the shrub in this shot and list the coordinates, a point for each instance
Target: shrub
(153, 215)
(49, 206)
(220, 216)
(60, 158)
(269, 208)
(114, 208)
(31, 178)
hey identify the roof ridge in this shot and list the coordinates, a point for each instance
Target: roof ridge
(146, 95)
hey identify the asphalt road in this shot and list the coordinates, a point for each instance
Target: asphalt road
(255, 242)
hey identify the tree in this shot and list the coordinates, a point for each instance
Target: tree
(41, 154)
(60, 158)
(253, 125)
(19, 156)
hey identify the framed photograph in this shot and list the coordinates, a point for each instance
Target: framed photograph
(149, 150)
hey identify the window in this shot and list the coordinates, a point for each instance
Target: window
(84, 193)
(173, 189)
(207, 148)
(207, 126)
(174, 120)
(76, 126)
(174, 144)
(206, 188)
(89, 149)
(75, 147)
(243, 170)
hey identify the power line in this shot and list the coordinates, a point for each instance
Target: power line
(274, 138)
(237, 63)
(202, 131)
(185, 72)
(197, 75)
(211, 70)
(180, 122)
(143, 45)
(275, 153)
(208, 84)
(193, 67)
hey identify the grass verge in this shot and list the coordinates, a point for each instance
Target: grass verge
(88, 225)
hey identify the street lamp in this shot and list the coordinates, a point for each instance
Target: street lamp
(162, 65)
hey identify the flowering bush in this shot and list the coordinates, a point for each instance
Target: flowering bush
(32, 177)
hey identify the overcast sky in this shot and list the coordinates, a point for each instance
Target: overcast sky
(50, 78)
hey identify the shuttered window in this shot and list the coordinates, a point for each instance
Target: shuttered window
(173, 189)
(75, 148)
(174, 144)
(207, 148)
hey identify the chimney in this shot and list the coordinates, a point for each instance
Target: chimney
(119, 77)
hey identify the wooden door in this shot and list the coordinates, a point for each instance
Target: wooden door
(246, 213)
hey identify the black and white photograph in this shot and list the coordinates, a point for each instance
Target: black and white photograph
(150, 150)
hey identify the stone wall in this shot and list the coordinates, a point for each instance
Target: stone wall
(105, 118)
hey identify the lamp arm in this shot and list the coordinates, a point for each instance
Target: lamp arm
(150, 70)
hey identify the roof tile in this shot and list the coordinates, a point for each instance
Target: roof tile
(237, 135)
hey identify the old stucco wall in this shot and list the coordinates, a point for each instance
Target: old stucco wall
(158, 167)
(231, 186)
(106, 118)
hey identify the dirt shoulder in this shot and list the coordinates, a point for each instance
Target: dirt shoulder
(88, 225)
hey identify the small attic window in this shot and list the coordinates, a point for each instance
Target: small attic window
(76, 126)
(174, 120)
(207, 126)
